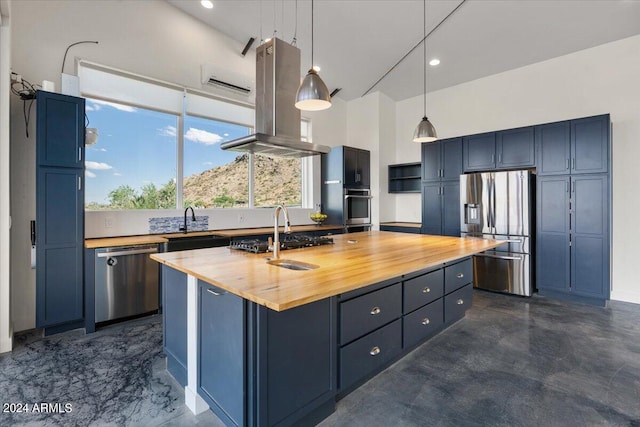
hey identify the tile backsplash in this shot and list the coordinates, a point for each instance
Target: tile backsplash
(172, 224)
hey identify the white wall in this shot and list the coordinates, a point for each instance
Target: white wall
(604, 79)
(6, 334)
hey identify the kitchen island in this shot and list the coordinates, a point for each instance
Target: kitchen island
(261, 344)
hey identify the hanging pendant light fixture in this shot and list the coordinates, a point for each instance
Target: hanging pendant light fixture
(313, 94)
(425, 132)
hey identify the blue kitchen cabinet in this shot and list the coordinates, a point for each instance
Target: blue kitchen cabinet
(174, 322)
(59, 212)
(573, 237)
(479, 152)
(515, 148)
(441, 208)
(573, 146)
(442, 160)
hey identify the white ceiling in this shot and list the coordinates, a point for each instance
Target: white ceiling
(358, 41)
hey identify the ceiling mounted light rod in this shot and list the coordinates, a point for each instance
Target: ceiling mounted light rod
(313, 94)
(425, 131)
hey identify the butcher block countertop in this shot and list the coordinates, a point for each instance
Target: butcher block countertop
(355, 260)
(144, 239)
(402, 224)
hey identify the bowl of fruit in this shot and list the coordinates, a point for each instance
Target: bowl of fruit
(318, 217)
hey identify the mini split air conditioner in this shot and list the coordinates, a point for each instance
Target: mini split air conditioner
(227, 80)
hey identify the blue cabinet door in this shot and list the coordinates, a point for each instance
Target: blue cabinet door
(60, 230)
(451, 208)
(553, 234)
(174, 321)
(431, 161)
(479, 152)
(515, 148)
(432, 209)
(590, 145)
(589, 240)
(60, 130)
(553, 148)
(221, 351)
(451, 159)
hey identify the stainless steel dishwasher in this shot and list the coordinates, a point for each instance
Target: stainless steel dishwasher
(126, 281)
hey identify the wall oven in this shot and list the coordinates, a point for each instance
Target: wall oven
(357, 206)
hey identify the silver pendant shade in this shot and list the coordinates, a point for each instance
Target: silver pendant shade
(312, 94)
(425, 132)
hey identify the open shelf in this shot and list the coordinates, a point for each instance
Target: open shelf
(405, 178)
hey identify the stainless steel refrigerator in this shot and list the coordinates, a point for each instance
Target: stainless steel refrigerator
(498, 205)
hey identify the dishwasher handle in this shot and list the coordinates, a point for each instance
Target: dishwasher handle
(127, 252)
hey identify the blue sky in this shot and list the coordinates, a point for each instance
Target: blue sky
(137, 146)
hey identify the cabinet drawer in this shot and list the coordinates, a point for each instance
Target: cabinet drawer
(365, 313)
(456, 303)
(369, 353)
(458, 275)
(422, 290)
(423, 323)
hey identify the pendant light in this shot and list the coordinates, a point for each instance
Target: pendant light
(425, 132)
(313, 94)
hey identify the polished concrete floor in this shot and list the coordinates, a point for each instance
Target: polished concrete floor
(510, 362)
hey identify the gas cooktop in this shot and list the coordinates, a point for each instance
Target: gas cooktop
(286, 242)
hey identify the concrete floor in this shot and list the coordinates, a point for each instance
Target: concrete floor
(510, 362)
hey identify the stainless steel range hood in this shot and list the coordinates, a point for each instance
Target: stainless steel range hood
(277, 119)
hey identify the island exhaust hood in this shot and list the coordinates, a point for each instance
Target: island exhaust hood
(277, 119)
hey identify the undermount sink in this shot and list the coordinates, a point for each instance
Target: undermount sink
(291, 264)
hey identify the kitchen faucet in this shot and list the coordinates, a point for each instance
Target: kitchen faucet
(193, 218)
(276, 233)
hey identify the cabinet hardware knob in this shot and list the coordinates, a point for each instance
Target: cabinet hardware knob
(459, 275)
(426, 290)
(460, 302)
(212, 292)
(426, 321)
(375, 310)
(375, 351)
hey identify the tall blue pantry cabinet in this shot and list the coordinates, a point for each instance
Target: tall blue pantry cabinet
(573, 209)
(59, 211)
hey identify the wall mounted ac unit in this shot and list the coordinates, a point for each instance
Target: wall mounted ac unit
(225, 79)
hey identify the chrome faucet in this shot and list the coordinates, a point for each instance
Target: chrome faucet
(276, 233)
(193, 218)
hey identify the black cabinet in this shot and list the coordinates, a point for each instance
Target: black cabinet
(59, 211)
(573, 236)
(404, 178)
(349, 165)
(442, 160)
(441, 208)
(573, 146)
(507, 149)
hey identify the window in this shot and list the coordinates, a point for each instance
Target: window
(118, 172)
(159, 145)
(213, 177)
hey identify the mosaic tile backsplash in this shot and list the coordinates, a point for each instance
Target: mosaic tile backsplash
(172, 224)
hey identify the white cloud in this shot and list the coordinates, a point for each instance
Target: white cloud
(226, 134)
(89, 174)
(168, 131)
(120, 107)
(117, 174)
(97, 166)
(207, 163)
(103, 149)
(202, 136)
(92, 107)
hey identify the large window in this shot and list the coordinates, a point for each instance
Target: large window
(133, 163)
(159, 147)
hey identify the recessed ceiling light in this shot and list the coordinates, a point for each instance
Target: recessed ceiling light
(207, 4)
(316, 68)
(434, 62)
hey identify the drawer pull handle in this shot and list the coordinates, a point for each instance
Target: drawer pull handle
(212, 292)
(426, 290)
(375, 310)
(426, 321)
(459, 275)
(375, 351)
(460, 302)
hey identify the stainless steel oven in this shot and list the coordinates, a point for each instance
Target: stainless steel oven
(357, 206)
